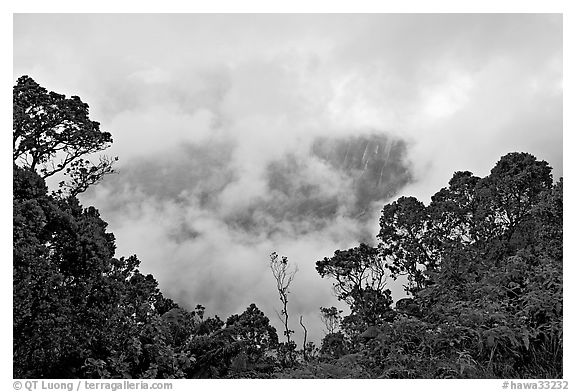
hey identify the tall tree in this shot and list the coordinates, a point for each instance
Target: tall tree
(283, 275)
(355, 271)
(78, 310)
(406, 242)
(52, 134)
(484, 261)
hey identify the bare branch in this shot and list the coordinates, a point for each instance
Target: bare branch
(305, 337)
(284, 277)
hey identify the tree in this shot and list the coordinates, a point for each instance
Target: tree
(484, 268)
(334, 345)
(513, 186)
(78, 311)
(284, 276)
(486, 288)
(253, 329)
(373, 306)
(484, 212)
(406, 242)
(52, 133)
(355, 270)
(548, 219)
(452, 210)
(304, 343)
(331, 318)
(360, 275)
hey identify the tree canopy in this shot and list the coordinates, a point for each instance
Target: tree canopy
(483, 263)
(52, 134)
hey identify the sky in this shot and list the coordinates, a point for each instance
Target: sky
(243, 134)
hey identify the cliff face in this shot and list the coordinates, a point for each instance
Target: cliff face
(348, 177)
(375, 164)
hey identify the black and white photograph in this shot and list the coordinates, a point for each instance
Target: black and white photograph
(287, 196)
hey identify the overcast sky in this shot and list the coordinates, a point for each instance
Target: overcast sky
(239, 135)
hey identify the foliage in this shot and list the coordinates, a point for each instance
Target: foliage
(52, 134)
(354, 270)
(78, 311)
(334, 345)
(405, 237)
(318, 369)
(253, 329)
(484, 262)
(310, 351)
(331, 318)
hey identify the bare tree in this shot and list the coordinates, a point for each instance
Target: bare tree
(284, 275)
(305, 338)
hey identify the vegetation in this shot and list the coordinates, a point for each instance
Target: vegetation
(482, 265)
(284, 275)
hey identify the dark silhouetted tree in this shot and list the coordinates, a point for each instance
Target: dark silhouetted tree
(78, 311)
(52, 134)
(253, 329)
(484, 262)
(354, 270)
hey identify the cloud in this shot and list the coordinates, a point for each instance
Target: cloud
(239, 135)
(205, 246)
